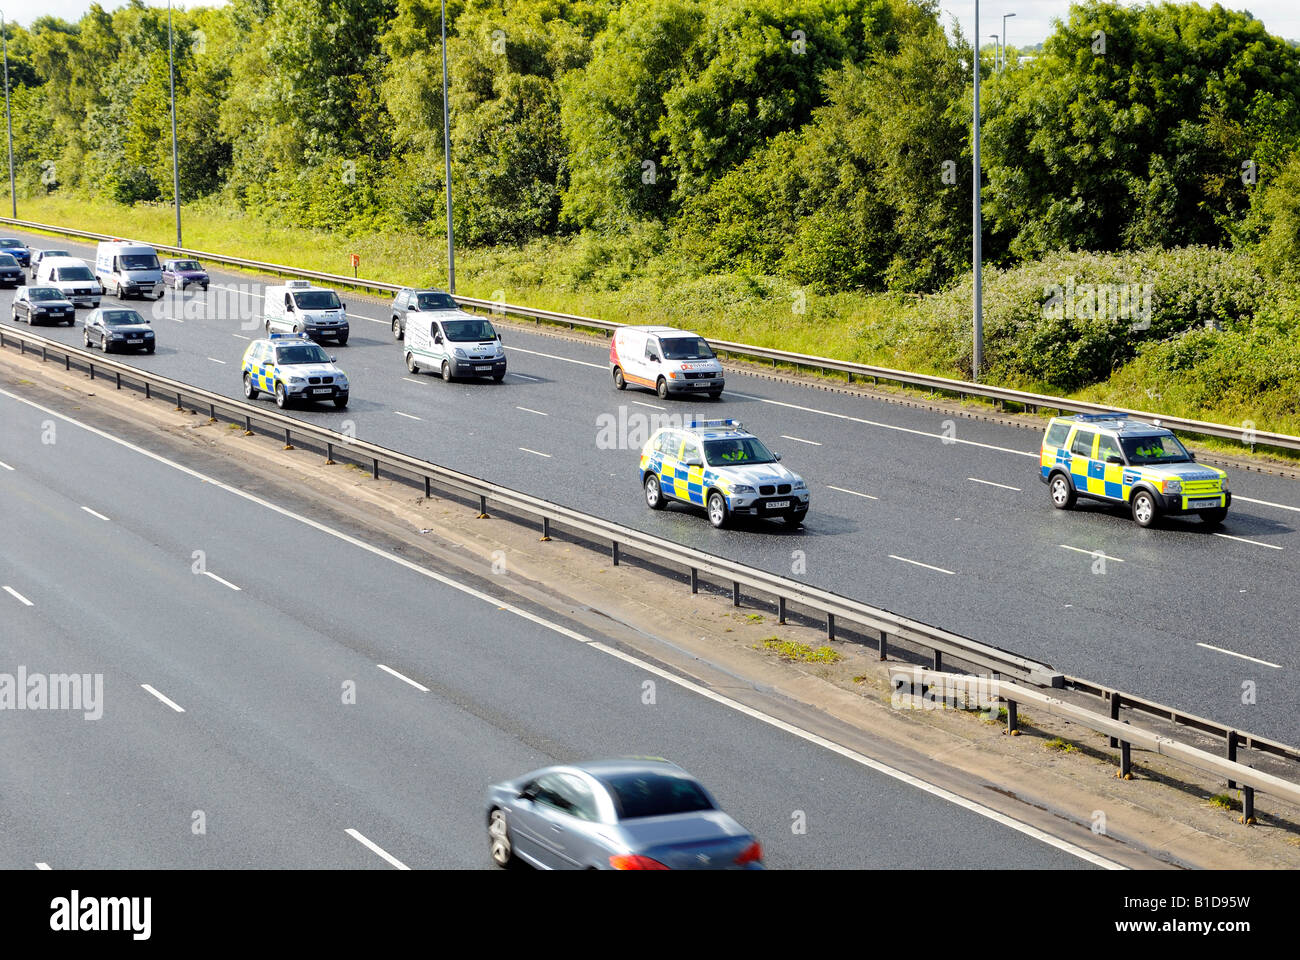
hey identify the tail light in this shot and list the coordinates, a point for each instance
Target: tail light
(751, 854)
(632, 861)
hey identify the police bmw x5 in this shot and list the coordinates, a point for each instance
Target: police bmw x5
(293, 368)
(717, 465)
(1114, 458)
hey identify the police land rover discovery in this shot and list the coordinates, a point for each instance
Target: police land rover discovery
(1116, 459)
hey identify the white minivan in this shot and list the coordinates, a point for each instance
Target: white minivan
(298, 307)
(73, 277)
(454, 343)
(666, 360)
(129, 269)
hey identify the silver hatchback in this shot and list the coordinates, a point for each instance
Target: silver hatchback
(636, 814)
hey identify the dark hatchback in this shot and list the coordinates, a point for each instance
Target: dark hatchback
(116, 328)
(43, 305)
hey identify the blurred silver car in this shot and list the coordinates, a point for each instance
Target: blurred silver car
(635, 814)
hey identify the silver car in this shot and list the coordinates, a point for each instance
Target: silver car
(635, 814)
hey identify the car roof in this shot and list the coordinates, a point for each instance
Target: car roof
(601, 769)
(1117, 423)
(286, 340)
(712, 429)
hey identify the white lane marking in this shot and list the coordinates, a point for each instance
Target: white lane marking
(240, 337)
(1228, 536)
(640, 664)
(887, 426)
(94, 513)
(812, 443)
(376, 849)
(5, 465)
(412, 380)
(215, 360)
(42, 866)
(1233, 653)
(525, 377)
(418, 686)
(866, 496)
(531, 410)
(551, 356)
(177, 319)
(992, 484)
(18, 596)
(209, 573)
(538, 452)
(409, 416)
(951, 573)
(652, 406)
(1091, 553)
(171, 703)
(1264, 503)
(240, 290)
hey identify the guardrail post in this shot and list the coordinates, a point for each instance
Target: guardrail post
(482, 507)
(1125, 761)
(938, 659)
(615, 551)
(22, 347)
(287, 444)
(119, 379)
(148, 393)
(92, 365)
(830, 626)
(428, 487)
(546, 530)
(42, 353)
(1232, 754)
(1114, 714)
(374, 468)
(780, 609)
(248, 426)
(735, 593)
(883, 645)
(695, 580)
(212, 413)
(67, 361)
(1013, 719)
(179, 405)
(1248, 806)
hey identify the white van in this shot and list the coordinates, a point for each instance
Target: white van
(129, 269)
(455, 344)
(298, 307)
(665, 360)
(73, 277)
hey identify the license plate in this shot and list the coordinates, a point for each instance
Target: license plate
(483, 368)
(135, 341)
(1197, 504)
(320, 390)
(701, 386)
(777, 504)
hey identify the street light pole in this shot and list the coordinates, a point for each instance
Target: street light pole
(977, 267)
(997, 50)
(1005, 16)
(176, 169)
(9, 124)
(446, 146)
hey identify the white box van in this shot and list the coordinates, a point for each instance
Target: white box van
(665, 360)
(129, 269)
(73, 277)
(454, 343)
(299, 307)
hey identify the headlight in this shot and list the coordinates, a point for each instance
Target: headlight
(799, 484)
(119, 336)
(460, 353)
(1223, 483)
(1173, 485)
(297, 380)
(742, 488)
(341, 379)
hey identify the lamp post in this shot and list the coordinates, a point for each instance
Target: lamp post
(4, 40)
(171, 82)
(977, 269)
(1005, 16)
(446, 145)
(997, 50)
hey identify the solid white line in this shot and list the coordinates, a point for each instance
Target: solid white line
(854, 492)
(376, 849)
(42, 866)
(813, 443)
(652, 406)
(531, 410)
(887, 426)
(170, 703)
(94, 513)
(500, 604)
(412, 380)
(538, 452)
(1228, 536)
(209, 573)
(178, 320)
(992, 484)
(240, 337)
(1264, 503)
(244, 292)
(418, 686)
(920, 564)
(18, 596)
(1091, 553)
(5, 465)
(409, 416)
(551, 356)
(525, 377)
(215, 360)
(1231, 653)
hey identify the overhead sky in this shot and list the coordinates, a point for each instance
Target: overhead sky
(1032, 23)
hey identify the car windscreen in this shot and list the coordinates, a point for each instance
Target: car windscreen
(1157, 448)
(186, 265)
(317, 300)
(436, 301)
(121, 318)
(654, 795)
(301, 353)
(685, 348)
(44, 293)
(139, 261)
(7, 260)
(74, 273)
(55, 253)
(10, 242)
(736, 450)
(463, 330)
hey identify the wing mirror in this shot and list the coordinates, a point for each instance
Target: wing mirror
(694, 462)
(1115, 458)
(333, 359)
(776, 456)
(437, 338)
(653, 358)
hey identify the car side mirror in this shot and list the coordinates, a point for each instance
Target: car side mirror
(343, 307)
(1190, 455)
(437, 338)
(1113, 458)
(333, 359)
(776, 456)
(653, 358)
(498, 336)
(528, 793)
(694, 462)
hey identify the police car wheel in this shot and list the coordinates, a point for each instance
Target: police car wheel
(1144, 509)
(281, 398)
(717, 509)
(662, 389)
(411, 365)
(654, 497)
(1214, 517)
(446, 371)
(250, 391)
(619, 382)
(1062, 492)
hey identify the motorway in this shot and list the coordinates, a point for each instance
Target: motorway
(943, 522)
(226, 659)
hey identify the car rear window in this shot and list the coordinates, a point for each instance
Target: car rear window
(1056, 434)
(655, 795)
